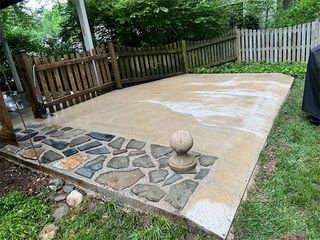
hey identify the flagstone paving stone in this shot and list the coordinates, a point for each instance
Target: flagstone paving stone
(119, 162)
(135, 144)
(89, 145)
(117, 143)
(156, 176)
(149, 192)
(172, 179)
(57, 134)
(28, 131)
(120, 180)
(202, 173)
(60, 145)
(72, 133)
(52, 132)
(66, 129)
(22, 138)
(79, 140)
(99, 150)
(159, 151)
(50, 156)
(143, 161)
(39, 138)
(71, 162)
(84, 172)
(164, 162)
(17, 130)
(32, 153)
(69, 152)
(95, 164)
(137, 152)
(180, 193)
(101, 136)
(119, 151)
(207, 160)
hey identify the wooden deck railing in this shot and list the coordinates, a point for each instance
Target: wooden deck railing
(63, 81)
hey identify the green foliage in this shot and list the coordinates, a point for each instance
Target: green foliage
(302, 11)
(22, 217)
(293, 69)
(150, 22)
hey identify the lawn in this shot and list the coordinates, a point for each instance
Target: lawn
(283, 204)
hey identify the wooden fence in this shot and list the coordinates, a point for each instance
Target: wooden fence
(212, 52)
(7, 133)
(57, 82)
(291, 44)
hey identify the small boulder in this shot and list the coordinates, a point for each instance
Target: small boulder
(48, 232)
(60, 211)
(55, 184)
(74, 198)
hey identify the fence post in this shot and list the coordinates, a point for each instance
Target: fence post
(185, 61)
(7, 134)
(26, 75)
(237, 46)
(115, 67)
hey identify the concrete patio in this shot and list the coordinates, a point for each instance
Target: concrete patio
(228, 115)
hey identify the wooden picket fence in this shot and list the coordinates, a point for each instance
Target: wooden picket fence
(58, 82)
(290, 44)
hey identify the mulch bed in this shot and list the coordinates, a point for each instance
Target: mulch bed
(16, 178)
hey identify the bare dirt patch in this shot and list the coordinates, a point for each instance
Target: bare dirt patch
(16, 178)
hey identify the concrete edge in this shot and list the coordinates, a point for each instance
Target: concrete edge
(255, 172)
(121, 200)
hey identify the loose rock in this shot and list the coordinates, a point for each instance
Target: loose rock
(60, 211)
(55, 184)
(74, 198)
(48, 232)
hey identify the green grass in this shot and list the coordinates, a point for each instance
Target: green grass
(108, 221)
(286, 203)
(293, 69)
(22, 217)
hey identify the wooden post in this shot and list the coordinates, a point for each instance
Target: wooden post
(115, 66)
(7, 134)
(185, 60)
(26, 75)
(238, 46)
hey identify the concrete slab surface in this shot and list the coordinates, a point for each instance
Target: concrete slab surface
(228, 115)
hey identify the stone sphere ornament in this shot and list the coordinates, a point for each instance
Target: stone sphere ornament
(181, 142)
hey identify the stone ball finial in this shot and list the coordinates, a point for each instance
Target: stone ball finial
(181, 142)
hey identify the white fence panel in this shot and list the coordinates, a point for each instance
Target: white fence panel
(292, 44)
